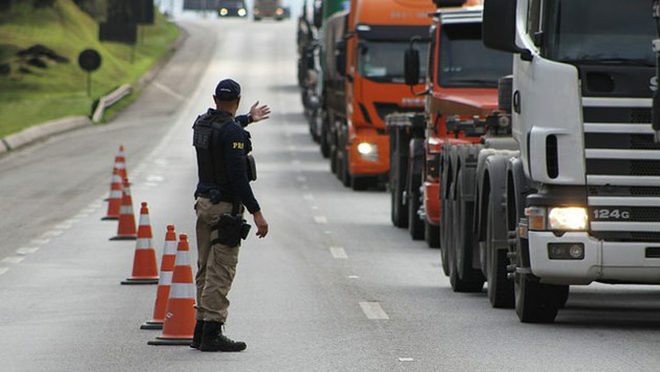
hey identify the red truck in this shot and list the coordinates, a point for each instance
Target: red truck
(461, 82)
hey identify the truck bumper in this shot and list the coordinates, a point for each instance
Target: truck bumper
(432, 202)
(614, 262)
(372, 164)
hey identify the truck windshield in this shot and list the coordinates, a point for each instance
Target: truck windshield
(382, 61)
(466, 62)
(599, 31)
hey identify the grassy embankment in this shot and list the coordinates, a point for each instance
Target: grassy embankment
(59, 90)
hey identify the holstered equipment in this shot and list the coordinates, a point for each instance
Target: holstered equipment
(251, 168)
(231, 228)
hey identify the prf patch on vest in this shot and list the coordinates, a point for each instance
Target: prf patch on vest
(238, 145)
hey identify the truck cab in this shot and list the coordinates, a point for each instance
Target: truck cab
(582, 197)
(378, 33)
(274, 9)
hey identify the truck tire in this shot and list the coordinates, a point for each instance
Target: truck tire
(345, 173)
(462, 276)
(397, 184)
(415, 224)
(432, 234)
(445, 216)
(537, 302)
(500, 288)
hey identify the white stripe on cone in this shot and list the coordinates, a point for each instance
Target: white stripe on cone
(169, 248)
(125, 209)
(182, 290)
(165, 277)
(182, 258)
(143, 243)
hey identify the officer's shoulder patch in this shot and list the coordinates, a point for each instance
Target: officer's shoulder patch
(238, 145)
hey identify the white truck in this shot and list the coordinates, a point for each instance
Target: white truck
(581, 197)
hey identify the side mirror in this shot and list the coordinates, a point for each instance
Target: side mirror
(340, 57)
(411, 66)
(318, 16)
(499, 27)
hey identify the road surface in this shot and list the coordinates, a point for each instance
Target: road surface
(334, 287)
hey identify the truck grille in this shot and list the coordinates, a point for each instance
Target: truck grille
(623, 169)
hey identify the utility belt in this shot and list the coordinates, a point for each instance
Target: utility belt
(231, 227)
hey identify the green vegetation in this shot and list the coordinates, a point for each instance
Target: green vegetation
(60, 89)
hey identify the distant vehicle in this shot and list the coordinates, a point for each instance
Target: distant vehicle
(270, 9)
(232, 8)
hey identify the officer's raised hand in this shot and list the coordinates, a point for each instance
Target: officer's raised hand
(262, 225)
(259, 113)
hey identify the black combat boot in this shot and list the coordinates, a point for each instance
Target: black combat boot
(197, 336)
(214, 340)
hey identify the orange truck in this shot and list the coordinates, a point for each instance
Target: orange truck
(378, 32)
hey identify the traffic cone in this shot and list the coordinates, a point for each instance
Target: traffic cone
(179, 324)
(120, 162)
(166, 271)
(126, 228)
(145, 268)
(114, 200)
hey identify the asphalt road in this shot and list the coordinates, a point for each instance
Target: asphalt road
(334, 287)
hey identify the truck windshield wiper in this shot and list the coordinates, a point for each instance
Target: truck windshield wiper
(614, 61)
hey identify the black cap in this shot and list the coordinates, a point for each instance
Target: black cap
(228, 90)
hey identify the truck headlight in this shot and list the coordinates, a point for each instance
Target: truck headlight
(368, 151)
(223, 11)
(279, 11)
(242, 12)
(568, 218)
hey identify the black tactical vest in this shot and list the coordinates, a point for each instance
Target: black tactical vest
(210, 155)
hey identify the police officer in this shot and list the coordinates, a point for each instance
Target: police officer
(223, 192)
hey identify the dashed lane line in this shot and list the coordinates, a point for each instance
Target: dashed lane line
(338, 253)
(13, 259)
(52, 233)
(320, 219)
(3, 270)
(40, 241)
(26, 250)
(301, 179)
(308, 196)
(353, 277)
(405, 359)
(373, 310)
(314, 208)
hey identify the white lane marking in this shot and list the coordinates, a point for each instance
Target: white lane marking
(64, 225)
(296, 162)
(327, 232)
(373, 310)
(353, 277)
(3, 270)
(88, 210)
(308, 196)
(301, 179)
(305, 187)
(13, 259)
(168, 91)
(52, 233)
(404, 359)
(149, 184)
(291, 148)
(320, 219)
(314, 208)
(40, 241)
(155, 178)
(338, 253)
(26, 250)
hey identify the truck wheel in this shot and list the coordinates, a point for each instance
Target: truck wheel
(432, 235)
(345, 174)
(415, 224)
(399, 212)
(462, 276)
(537, 302)
(325, 134)
(445, 232)
(500, 288)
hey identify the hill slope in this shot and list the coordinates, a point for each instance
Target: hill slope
(60, 89)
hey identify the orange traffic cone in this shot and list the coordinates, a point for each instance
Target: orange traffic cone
(179, 324)
(114, 200)
(145, 268)
(126, 228)
(166, 271)
(120, 162)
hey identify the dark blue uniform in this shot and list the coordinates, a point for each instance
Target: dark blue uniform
(230, 144)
